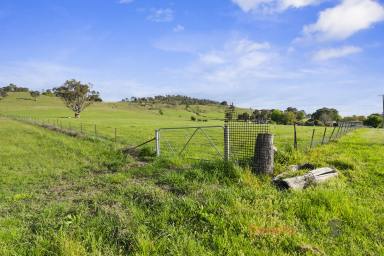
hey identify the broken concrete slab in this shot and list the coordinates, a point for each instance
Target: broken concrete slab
(315, 176)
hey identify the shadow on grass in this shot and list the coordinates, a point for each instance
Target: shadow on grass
(25, 99)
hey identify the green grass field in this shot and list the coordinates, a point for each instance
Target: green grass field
(61, 195)
(135, 123)
(66, 196)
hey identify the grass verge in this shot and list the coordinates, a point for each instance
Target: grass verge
(66, 196)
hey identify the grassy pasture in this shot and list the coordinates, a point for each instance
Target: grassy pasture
(65, 196)
(135, 124)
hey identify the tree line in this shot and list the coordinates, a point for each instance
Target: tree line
(321, 117)
(14, 88)
(174, 100)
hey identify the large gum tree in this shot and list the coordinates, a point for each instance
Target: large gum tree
(76, 95)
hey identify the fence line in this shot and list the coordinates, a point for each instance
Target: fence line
(326, 134)
(235, 140)
(70, 129)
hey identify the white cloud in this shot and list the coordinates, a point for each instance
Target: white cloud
(161, 15)
(334, 53)
(38, 74)
(237, 60)
(125, 1)
(273, 5)
(251, 5)
(298, 3)
(345, 19)
(178, 28)
(212, 58)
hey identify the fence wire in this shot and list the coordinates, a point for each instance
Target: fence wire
(308, 137)
(243, 131)
(200, 143)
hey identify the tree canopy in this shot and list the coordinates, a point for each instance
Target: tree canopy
(34, 94)
(76, 95)
(14, 88)
(326, 115)
(374, 120)
(3, 93)
(174, 100)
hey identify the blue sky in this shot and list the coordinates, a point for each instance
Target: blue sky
(255, 53)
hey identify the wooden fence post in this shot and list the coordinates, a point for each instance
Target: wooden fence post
(264, 154)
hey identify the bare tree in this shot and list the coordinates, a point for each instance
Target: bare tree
(76, 96)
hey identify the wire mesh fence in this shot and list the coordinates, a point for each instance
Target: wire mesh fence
(243, 131)
(234, 140)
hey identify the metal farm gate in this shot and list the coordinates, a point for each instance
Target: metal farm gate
(234, 141)
(198, 142)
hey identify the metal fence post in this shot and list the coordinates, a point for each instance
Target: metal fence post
(115, 136)
(294, 136)
(338, 131)
(226, 143)
(157, 136)
(333, 131)
(325, 131)
(313, 135)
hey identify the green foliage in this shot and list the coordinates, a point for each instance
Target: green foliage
(14, 88)
(3, 93)
(244, 116)
(374, 120)
(173, 100)
(326, 115)
(278, 116)
(34, 94)
(76, 96)
(48, 92)
(289, 116)
(354, 118)
(146, 153)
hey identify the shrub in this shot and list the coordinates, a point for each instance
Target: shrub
(373, 120)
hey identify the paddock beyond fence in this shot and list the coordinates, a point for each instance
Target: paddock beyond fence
(234, 140)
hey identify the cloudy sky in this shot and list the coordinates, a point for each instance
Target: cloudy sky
(255, 53)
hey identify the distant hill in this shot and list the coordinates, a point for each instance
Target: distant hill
(174, 100)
